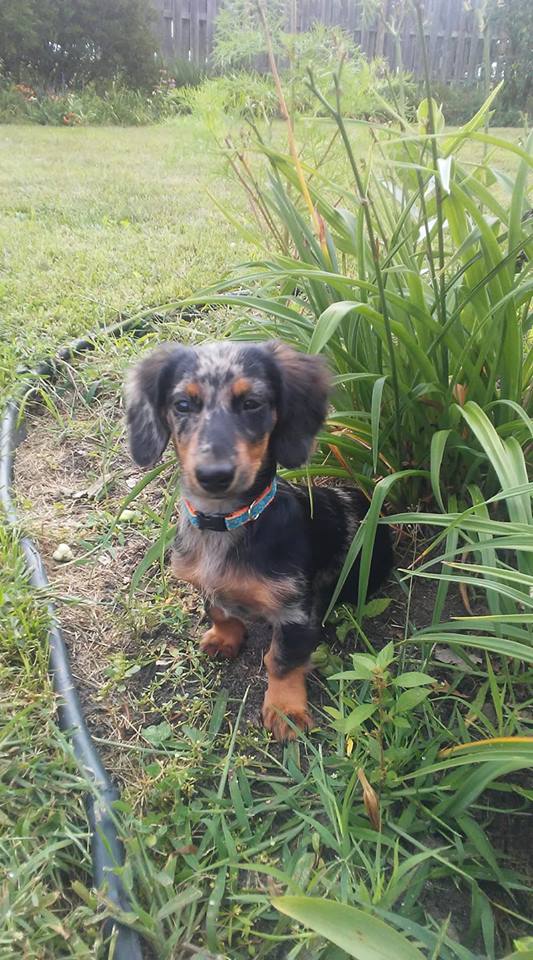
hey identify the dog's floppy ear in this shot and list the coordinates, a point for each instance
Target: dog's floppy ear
(303, 402)
(146, 391)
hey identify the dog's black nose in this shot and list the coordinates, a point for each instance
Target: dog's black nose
(215, 478)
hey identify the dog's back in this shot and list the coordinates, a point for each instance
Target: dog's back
(333, 515)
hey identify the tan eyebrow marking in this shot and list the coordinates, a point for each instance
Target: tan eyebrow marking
(193, 390)
(240, 386)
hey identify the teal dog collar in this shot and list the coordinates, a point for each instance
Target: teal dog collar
(230, 521)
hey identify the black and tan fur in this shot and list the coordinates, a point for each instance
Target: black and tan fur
(234, 411)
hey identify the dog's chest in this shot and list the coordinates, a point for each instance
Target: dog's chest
(218, 565)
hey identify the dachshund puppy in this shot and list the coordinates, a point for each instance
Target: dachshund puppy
(256, 546)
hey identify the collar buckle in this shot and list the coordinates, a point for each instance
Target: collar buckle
(211, 521)
(251, 515)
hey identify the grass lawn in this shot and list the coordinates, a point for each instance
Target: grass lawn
(96, 224)
(100, 222)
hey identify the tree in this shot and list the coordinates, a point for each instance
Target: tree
(513, 20)
(74, 41)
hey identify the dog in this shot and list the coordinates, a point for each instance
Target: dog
(256, 546)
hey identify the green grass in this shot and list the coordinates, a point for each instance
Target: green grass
(98, 223)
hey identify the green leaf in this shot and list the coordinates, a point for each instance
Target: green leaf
(507, 648)
(84, 894)
(356, 718)
(375, 607)
(412, 679)
(438, 444)
(478, 837)
(328, 322)
(410, 699)
(523, 945)
(176, 904)
(158, 733)
(422, 115)
(375, 413)
(359, 934)
(385, 656)
(364, 538)
(213, 909)
(477, 780)
(152, 556)
(474, 124)
(360, 672)
(515, 751)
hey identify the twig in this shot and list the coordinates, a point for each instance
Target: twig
(441, 298)
(315, 216)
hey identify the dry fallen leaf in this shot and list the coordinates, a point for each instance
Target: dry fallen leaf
(370, 800)
(463, 590)
(445, 655)
(275, 889)
(460, 393)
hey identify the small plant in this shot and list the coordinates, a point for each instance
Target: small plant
(383, 710)
(118, 672)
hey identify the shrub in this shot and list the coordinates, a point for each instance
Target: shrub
(117, 105)
(403, 271)
(459, 102)
(242, 93)
(364, 84)
(82, 40)
(181, 73)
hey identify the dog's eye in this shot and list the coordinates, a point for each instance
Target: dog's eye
(183, 405)
(250, 403)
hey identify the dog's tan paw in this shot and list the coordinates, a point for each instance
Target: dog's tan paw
(274, 720)
(217, 643)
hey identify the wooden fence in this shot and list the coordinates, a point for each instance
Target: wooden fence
(453, 34)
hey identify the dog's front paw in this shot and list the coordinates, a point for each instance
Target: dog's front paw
(274, 719)
(220, 643)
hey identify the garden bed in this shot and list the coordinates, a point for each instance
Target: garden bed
(144, 686)
(216, 818)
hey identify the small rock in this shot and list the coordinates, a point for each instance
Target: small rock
(63, 553)
(128, 515)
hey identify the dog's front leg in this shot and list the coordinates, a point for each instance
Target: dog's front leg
(288, 663)
(224, 638)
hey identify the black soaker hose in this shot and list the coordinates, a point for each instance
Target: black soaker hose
(107, 851)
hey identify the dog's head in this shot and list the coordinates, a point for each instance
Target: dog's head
(233, 410)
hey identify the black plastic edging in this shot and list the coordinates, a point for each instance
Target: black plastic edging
(107, 851)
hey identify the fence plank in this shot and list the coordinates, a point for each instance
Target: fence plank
(185, 29)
